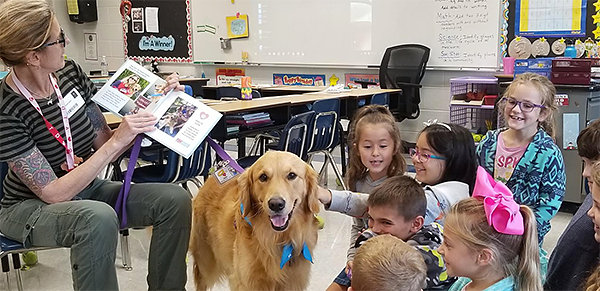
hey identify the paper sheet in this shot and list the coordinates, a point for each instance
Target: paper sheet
(152, 19)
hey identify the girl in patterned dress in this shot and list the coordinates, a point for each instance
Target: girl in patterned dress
(524, 156)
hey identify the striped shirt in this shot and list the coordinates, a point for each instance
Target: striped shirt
(22, 129)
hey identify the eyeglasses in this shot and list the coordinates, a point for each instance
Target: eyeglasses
(62, 40)
(525, 106)
(423, 157)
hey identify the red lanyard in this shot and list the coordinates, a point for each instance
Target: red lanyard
(69, 142)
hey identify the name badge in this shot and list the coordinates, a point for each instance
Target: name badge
(224, 172)
(73, 102)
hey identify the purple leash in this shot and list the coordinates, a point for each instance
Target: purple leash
(121, 206)
(221, 152)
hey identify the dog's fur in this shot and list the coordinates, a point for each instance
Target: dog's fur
(224, 244)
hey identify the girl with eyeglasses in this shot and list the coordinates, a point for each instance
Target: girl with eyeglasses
(55, 150)
(445, 164)
(524, 155)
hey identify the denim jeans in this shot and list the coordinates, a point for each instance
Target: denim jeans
(89, 226)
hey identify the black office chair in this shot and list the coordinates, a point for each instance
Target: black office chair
(403, 67)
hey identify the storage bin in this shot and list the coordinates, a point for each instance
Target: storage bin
(540, 66)
(571, 78)
(571, 65)
(475, 115)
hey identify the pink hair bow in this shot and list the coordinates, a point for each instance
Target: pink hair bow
(501, 210)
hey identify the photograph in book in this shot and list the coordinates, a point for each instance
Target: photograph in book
(176, 116)
(183, 121)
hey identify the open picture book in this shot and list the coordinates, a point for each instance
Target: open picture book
(184, 121)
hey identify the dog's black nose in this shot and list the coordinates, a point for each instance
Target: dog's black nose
(276, 204)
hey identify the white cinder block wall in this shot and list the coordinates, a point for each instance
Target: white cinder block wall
(435, 94)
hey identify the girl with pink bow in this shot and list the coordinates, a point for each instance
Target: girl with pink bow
(490, 241)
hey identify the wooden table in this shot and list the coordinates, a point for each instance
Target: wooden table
(210, 91)
(112, 120)
(277, 90)
(279, 108)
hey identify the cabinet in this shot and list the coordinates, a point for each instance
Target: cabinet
(472, 103)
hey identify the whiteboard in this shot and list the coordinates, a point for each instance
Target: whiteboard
(460, 33)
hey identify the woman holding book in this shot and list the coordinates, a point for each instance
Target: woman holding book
(55, 150)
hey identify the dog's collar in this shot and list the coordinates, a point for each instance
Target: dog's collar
(242, 210)
(288, 250)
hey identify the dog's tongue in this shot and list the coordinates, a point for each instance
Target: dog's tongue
(279, 220)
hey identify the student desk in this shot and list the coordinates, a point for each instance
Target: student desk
(278, 90)
(210, 91)
(279, 109)
(347, 108)
(112, 120)
(351, 105)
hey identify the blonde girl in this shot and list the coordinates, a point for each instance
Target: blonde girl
(593, 282)
(524, 155)
(493, 247)
(375, 155)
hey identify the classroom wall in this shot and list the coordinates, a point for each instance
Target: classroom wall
(435, 94)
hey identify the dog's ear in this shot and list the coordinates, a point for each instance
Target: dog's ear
(312, 185)
(245, 191)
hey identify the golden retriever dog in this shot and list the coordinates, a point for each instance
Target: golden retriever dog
(240, 227)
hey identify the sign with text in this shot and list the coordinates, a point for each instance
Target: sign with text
(229, 80)
(299, 79)
(230, 72)
(352, 78)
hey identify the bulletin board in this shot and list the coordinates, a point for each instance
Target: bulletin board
(159, 30)
(460, 33)
(587, 19)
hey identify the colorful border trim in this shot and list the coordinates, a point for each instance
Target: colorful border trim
(189, 59)
(554, 33)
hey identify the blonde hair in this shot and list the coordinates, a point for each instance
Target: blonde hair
(547, 92)
(387, 263)
(596, 173)
(25, 26)
(513, 255)
(593, 281)
(373, 114)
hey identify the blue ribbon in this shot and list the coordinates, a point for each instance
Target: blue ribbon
(288, 249)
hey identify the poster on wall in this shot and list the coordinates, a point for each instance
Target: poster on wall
(230, 72)
(551, 18)
(570, 130)
(237, 26)
(229, 76)
(350, 79)
(299, 79)
(150, 37)
(91, 46)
